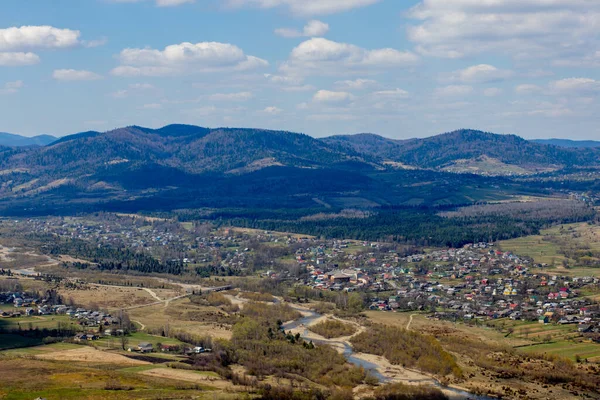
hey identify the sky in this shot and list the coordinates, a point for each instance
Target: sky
(398, 68)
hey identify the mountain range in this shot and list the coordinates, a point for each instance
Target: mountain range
(189, 166)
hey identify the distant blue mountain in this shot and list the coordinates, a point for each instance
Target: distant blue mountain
(11, 140)
(577, 144)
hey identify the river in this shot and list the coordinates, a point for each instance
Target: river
(310, 316)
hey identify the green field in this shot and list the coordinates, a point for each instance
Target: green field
(136, 338)
(535, 331)
(568, 349)
(551, 246)
(535, 247)
(34, 348)
(559, 340)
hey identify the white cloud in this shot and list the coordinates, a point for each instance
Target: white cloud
(392, 94)
(305, 7)
(94, 43)
(575, 85)
(591, 60)
(540, 109)
(482, 73)
(17, 43)
(289, 83)
(159, 3)
(523, 29)
(326, 96)
(11, 87)
(357, 84)
(37, 37)
(241, 96)
(453, 90)
(185, 58)
(172, 3)
(272, 110)
(75, 75)
(492, 92)
(527, 88)
(324, 56)
(311, 29)
(141, 86)
(120, 94)
(298, 88)
(12, 59)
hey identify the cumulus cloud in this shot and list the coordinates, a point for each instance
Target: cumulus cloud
(523, 29)
(324, 56)
(482, 73)
(75, 75)
(37, 37)
(305, 7)
(17, 43)
(576, 85)
(185, 58)
(311, 29)
(327, 96)
(272, 110)
(15, 59)
(288, 83)
(11, 87)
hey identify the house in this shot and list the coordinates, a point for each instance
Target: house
(145, 347)
(80, 337)
(339, 277)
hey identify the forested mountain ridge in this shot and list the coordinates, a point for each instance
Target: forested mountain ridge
(444, 150)
(12, 140)
(187, 148)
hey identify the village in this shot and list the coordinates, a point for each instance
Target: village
(476, 282)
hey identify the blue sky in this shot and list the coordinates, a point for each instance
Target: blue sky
(398, 68)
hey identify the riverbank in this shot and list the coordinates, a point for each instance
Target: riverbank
(378, 366)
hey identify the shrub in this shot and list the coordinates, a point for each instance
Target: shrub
(333, 328)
